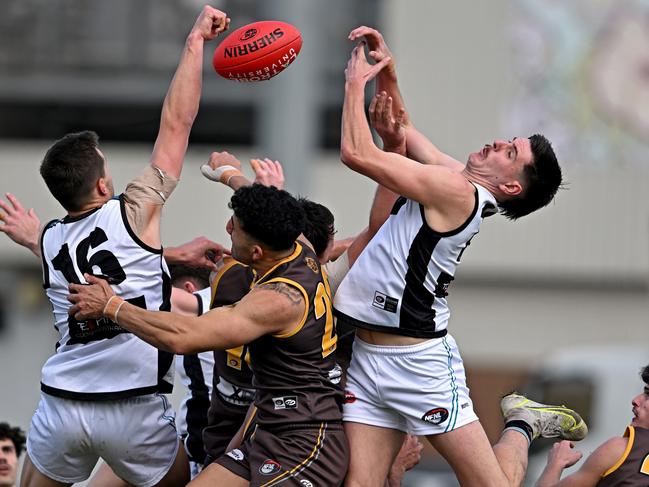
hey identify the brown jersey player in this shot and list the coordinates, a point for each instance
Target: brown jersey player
(289, 303)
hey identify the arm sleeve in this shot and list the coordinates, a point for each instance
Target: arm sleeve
(149, 190)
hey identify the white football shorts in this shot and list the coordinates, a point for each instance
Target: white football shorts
(136, 437)
(419, 389)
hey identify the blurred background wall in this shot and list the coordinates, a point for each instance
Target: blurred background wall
(575, 274)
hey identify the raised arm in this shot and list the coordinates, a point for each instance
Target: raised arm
(430, 185)
(23, 227)
(419, 147)
(225, 168)
(181, 103)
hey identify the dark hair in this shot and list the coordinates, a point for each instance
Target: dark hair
(319, 228)
(200, 276)
(644, 373)
(71, 167)
(16, 435)
(541, 180)
(269, 215)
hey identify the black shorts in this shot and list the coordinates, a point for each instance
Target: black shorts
(299, 455)
(223, 422)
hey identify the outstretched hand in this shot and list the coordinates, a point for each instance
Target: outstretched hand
(391, 129)
(268, 172)
(23, 227)
(359, 70)
(200, 252)
(89, 300)
(378, 49)
(221, 166)
(210, 23)
(563, 454)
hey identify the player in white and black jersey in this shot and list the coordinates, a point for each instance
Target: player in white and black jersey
(406, 373)
(101, 390)
(195, 371)
(336, 257)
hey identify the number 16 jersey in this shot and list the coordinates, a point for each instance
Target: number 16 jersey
(97, 359)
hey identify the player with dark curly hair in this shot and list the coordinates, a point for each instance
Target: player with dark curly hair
(286, 320)
(12, 444)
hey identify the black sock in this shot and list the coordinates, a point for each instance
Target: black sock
(521, 426)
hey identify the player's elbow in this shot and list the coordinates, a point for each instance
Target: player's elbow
(177, 341)
(350, 155)
(177, 122)
(172, 343)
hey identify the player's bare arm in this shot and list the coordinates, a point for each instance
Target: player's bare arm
(264, 310)
(596, 465)
(181, 103)
(419, 147)
(225, 168)
(183, 302)
(199, 252)
(23, 227)
(179, 110)
(447, 195)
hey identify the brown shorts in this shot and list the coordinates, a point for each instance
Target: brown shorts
(299, 455)
(223, 422)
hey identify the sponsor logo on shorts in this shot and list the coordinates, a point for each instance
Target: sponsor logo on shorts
(385, 302)
(269, 467)
(306, 483)
(464, 406)
(236, 454)
(436, 416)
(286, 402)
(349, 397)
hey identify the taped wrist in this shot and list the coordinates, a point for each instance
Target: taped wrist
(221, 174)
(112, 308)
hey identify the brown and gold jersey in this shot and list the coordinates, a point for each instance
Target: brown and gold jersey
(295, 373)
(232, 282)
(632, 469)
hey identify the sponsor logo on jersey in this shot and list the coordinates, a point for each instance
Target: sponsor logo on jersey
(311, 264)
(385, 302)
(286, 402)
(349, 397)
(306, 483)
(269, 467)
(436, 416)
(236, 454)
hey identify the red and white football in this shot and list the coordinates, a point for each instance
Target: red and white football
(257, 51)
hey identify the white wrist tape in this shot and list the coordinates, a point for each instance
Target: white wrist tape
(215, 174)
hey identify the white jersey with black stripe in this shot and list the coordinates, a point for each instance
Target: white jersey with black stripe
(400, 281)
(196, 373)
(97, 359)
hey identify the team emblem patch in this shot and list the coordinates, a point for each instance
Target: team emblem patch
(306, 483)
(385, 302)
(269, 467)
(236, 454)
(286, 402)
(349, 397)
(311, 264)
(436, 416)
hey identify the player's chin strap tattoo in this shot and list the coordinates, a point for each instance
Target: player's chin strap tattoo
(287, 290)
